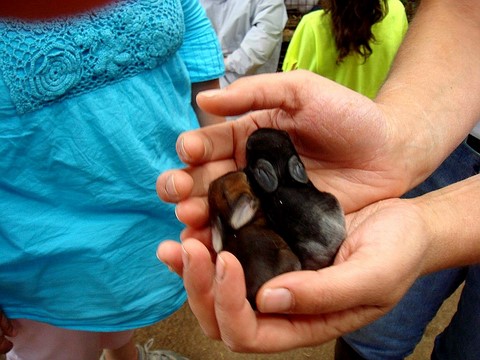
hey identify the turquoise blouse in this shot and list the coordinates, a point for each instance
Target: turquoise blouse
(90, 109)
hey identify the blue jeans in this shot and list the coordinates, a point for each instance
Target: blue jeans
(395, 335)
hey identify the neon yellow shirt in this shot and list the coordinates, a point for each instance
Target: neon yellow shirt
(313, 48)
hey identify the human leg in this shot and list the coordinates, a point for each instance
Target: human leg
(118, 346)
(395, 335)
(41, 341)
(461, 339)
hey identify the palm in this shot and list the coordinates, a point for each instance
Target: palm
(342, 137)
(344, 144)
(374, 268)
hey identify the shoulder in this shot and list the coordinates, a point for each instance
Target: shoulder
(316, 19)
(396, 8)
(396, 18)
(316, 23)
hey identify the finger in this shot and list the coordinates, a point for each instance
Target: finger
(198, 275)
(170, 253)
(232, 309)
(204, 235)
(266, 91)
(177, 185)
(332, 289)
(243, 330)
(277, 333)
(174, 185)
(216, 142)
(193, 212)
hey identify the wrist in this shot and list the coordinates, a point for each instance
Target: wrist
(428, 220)
(452, 230)
(410, 146)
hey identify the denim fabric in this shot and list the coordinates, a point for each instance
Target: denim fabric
(395, 335)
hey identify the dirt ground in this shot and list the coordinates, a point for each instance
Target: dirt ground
(181, 333)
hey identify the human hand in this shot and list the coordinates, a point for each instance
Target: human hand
(6, 329)
(347, 142)
(374, 268)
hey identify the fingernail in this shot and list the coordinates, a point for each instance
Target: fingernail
(185, 258)
(176, 214)
(158, 257)
(276, 301)
(219, 269)
(170, 188)
(181, 150)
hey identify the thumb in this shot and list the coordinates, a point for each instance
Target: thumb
(332, 289)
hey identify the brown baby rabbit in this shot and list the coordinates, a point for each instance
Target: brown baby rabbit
(239, 226)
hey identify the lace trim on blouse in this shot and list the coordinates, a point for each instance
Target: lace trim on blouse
(46, 61)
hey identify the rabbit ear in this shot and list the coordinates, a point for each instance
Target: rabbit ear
(217, 234)
(265, 175)
(297, 170)
(243, 211)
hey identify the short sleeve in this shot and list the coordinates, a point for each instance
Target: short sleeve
(295, 48)
(201, 50)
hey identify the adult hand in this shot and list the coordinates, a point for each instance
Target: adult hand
(351, 146)
(6, 329)
(374, 268)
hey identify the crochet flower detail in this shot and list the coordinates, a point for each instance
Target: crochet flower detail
(111, 55)
(54, 71)
(47, 61)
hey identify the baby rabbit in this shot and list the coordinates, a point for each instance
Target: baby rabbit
(311, 221)
(238, 226)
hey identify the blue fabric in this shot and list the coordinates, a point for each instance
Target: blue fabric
(396, 334)
(80, 218)
(69, 56)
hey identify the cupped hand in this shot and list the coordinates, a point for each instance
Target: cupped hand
(347, 142)
(6, 329)
(374, 268)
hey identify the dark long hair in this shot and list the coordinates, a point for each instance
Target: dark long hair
(352, 24)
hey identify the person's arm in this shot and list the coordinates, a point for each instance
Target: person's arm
(452, 215)
(389, 245)
(432, 92)
(205, 118)
(361, 151)
(201, 53)
(261, 40)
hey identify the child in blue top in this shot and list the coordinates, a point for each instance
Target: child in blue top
(90, 109)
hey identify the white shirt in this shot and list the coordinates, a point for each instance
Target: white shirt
(250, 33)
